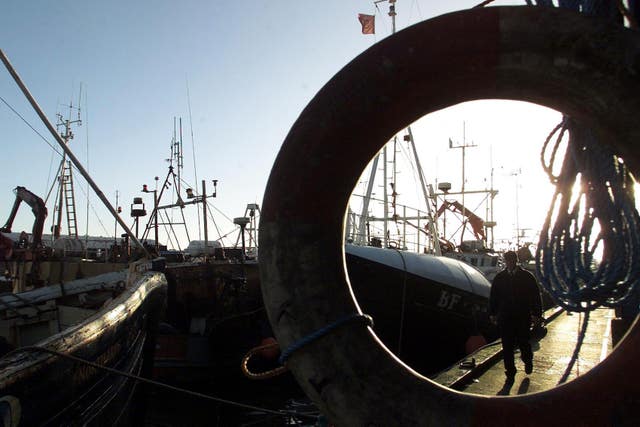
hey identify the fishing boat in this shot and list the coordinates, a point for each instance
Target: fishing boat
(430, 311)
(71, 349)
(32, 260)
(54, 338)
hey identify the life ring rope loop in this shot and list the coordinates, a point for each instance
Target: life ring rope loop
(350, 318)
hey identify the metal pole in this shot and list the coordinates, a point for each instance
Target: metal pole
(68, 152)
(464, 144)
(115, 226)
(155, 219)
(385, 239)
(517, 214)
(204, 217)
(432, 226)
(58, 225)
(392, 14)
(362, 234)
(404, 227)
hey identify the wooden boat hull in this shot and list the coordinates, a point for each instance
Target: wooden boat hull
(40, 388)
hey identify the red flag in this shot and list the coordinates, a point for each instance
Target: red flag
(368, 23)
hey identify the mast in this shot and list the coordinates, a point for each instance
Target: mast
(67, 151)
(464, 147)
(432, 224)
(392, 13)
(361, 237)
(365, 207)
(204, 216)
(66, 193)
(517, 173)
(385, 198)
(489, 194)
(179, 157)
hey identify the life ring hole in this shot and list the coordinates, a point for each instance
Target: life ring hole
(483, 191)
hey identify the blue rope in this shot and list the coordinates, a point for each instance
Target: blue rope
(607, 9)
(356, 317)
(600, 217)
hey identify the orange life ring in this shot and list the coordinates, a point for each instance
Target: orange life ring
(581, 66)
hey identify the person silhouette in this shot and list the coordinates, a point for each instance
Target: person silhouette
(514, 303)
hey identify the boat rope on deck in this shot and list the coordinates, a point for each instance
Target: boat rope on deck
(161, 384)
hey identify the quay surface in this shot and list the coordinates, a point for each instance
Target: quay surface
(559, 357)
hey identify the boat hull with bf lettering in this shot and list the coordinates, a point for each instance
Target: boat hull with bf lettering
(428, 310)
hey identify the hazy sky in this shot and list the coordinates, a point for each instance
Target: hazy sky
(250, 67)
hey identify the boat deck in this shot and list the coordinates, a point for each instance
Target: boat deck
(558, 357)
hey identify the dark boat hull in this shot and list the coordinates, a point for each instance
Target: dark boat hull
(425, 309)
(46, 389)
(445, 303)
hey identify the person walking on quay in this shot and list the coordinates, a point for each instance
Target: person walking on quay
(514, 304)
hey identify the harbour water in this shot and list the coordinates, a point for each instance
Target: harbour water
(282, 394)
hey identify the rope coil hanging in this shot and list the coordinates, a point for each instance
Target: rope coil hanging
(592, 215)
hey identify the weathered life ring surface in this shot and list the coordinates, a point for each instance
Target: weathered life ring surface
(557, 58)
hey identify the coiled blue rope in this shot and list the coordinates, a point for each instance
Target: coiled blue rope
(355, 317)
(592, 216)
(607, 9)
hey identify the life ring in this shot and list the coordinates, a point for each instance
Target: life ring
(580, 66)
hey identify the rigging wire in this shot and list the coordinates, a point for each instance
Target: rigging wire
(165, 229)
(94, 210)
(159, 384)
(53, 183)
(487, 2)
(215, 224)
(88, 193)
(417, 5)
(193, 150)
(378, 12)
(170, 224)
(49, 176)
(29, 124)
(210, 206)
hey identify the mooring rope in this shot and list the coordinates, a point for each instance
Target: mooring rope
(355, 317)
(160, 384)
(271, 373)
(599, 221)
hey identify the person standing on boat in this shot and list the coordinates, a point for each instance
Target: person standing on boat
(515, 303)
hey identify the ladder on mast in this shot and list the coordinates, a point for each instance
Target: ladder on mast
(65, 178)
(69, 199)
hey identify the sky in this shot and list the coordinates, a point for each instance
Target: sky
(238, 74)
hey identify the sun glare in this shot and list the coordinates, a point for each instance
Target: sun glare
(483, 155)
